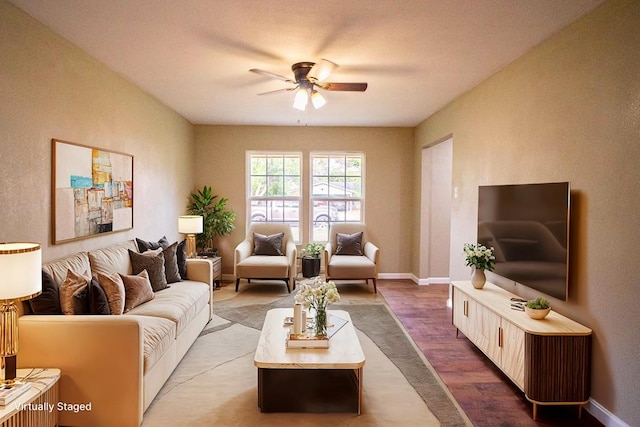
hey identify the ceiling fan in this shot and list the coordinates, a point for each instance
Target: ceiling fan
(308, 77)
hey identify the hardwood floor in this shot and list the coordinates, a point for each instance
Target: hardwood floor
(487, 396)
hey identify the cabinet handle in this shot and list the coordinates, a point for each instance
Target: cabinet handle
(466, 308)
(499, 337)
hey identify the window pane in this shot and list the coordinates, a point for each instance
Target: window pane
(354, 166)
(320, 165)
(354, 186)
(320, 186)
(292, 165)
(275, 186)
(292, 186)
(258, 185)
(336, 166)
(275, 165)
(258, 165)
(353, 211)
(258, 211)
(337, 186)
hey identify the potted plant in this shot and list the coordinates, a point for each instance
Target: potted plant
(217, 221)
(311, 259)
(538, 308)
(480, 258)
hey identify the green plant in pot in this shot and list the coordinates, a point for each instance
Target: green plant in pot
(217, 220)
(538, 308)
(311, 259)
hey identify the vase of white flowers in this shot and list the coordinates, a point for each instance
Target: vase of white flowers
(318, 296)
(480, 258)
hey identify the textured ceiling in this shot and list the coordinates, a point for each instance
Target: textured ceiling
(416, 55)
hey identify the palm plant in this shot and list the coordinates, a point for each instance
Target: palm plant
(216, 219)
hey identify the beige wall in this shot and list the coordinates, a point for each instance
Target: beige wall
(50, 89)
(567, 110)
(220, 163)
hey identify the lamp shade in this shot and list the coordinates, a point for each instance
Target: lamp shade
(20, 270)
(301, 99)
(190, 224)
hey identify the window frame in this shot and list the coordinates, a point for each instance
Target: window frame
(250, 155)
(332, 199)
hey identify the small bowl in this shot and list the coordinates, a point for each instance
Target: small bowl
(537, 313)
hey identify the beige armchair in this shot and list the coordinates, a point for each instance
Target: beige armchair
(344, 267)
(252, 262)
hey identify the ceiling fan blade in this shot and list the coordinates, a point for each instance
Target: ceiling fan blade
(271, 75)
(278, 91)
(350, 87)
(321, 70)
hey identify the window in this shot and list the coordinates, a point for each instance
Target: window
(337, 193)
(274, 194)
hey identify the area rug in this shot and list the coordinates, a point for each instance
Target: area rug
(216, 382)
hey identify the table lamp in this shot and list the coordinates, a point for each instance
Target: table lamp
(190, 225)
(20, 279)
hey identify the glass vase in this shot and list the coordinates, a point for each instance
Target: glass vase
(321, 322)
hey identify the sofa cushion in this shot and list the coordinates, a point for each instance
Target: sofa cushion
(267, 245)
(137, 290)
(114, 290)
(48, 302)
(265, 267)
(112, 259)
(352, 267)
(98, 302)
(58, 269)
(73, 282)
(180, 303)
(144, 245)
(349, 244)
(153, 262)
(159, 335)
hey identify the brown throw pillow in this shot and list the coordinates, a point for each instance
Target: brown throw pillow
(153, 262)
(48, 302)
(267, 245)
(114, 290)
(137, 290)
(349, 244)
(71, 284)
(98, 302)
(171, 270)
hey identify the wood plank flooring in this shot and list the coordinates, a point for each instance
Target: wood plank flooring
(483, 392)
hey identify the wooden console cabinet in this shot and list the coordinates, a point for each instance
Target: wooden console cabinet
(549, 359)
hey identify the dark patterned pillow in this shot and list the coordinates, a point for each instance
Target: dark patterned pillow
(267, 245)
(171, 271)
(153, 262)
(181, 254)
(349, 244)
(98, 302)
(48, 302)
(144, 245)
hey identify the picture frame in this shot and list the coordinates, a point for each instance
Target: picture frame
(92, 191)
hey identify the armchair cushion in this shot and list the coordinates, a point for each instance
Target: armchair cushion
(349, 244)
(268, 245)
(351, 267)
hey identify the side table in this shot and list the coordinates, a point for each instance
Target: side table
(216, 262)
(38, 406)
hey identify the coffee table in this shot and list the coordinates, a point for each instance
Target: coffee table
(309, 380)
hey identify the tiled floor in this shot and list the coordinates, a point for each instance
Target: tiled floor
(484, 393)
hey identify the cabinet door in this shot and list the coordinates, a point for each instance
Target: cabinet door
(486, 332)
(461, 311)
(512, 357)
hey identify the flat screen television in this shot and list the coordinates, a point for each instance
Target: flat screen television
(528, 227)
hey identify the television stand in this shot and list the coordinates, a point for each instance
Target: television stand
(549, 359)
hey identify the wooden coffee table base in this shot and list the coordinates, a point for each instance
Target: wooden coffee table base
(310, 390)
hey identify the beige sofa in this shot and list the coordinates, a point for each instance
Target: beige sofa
(117, 363)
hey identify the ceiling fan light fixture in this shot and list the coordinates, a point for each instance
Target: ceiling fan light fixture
(301, 99)
(321, 70)
(317, 99)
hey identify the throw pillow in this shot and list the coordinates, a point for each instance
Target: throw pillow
(349, 244)
(137, 290)
(267, 245)
(181, 253)
(98, 302)
(144, 246)
(171, 271)
(153, 262)
(81, 300)
(114, 290)
(48, 302)
(69, 286)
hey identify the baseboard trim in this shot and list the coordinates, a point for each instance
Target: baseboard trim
(603, 415)
(395, 276)
(431, 280)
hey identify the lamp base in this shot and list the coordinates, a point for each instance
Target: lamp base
(8, 370)
(191, 246)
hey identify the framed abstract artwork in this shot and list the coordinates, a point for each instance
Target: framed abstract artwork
(92, 191)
